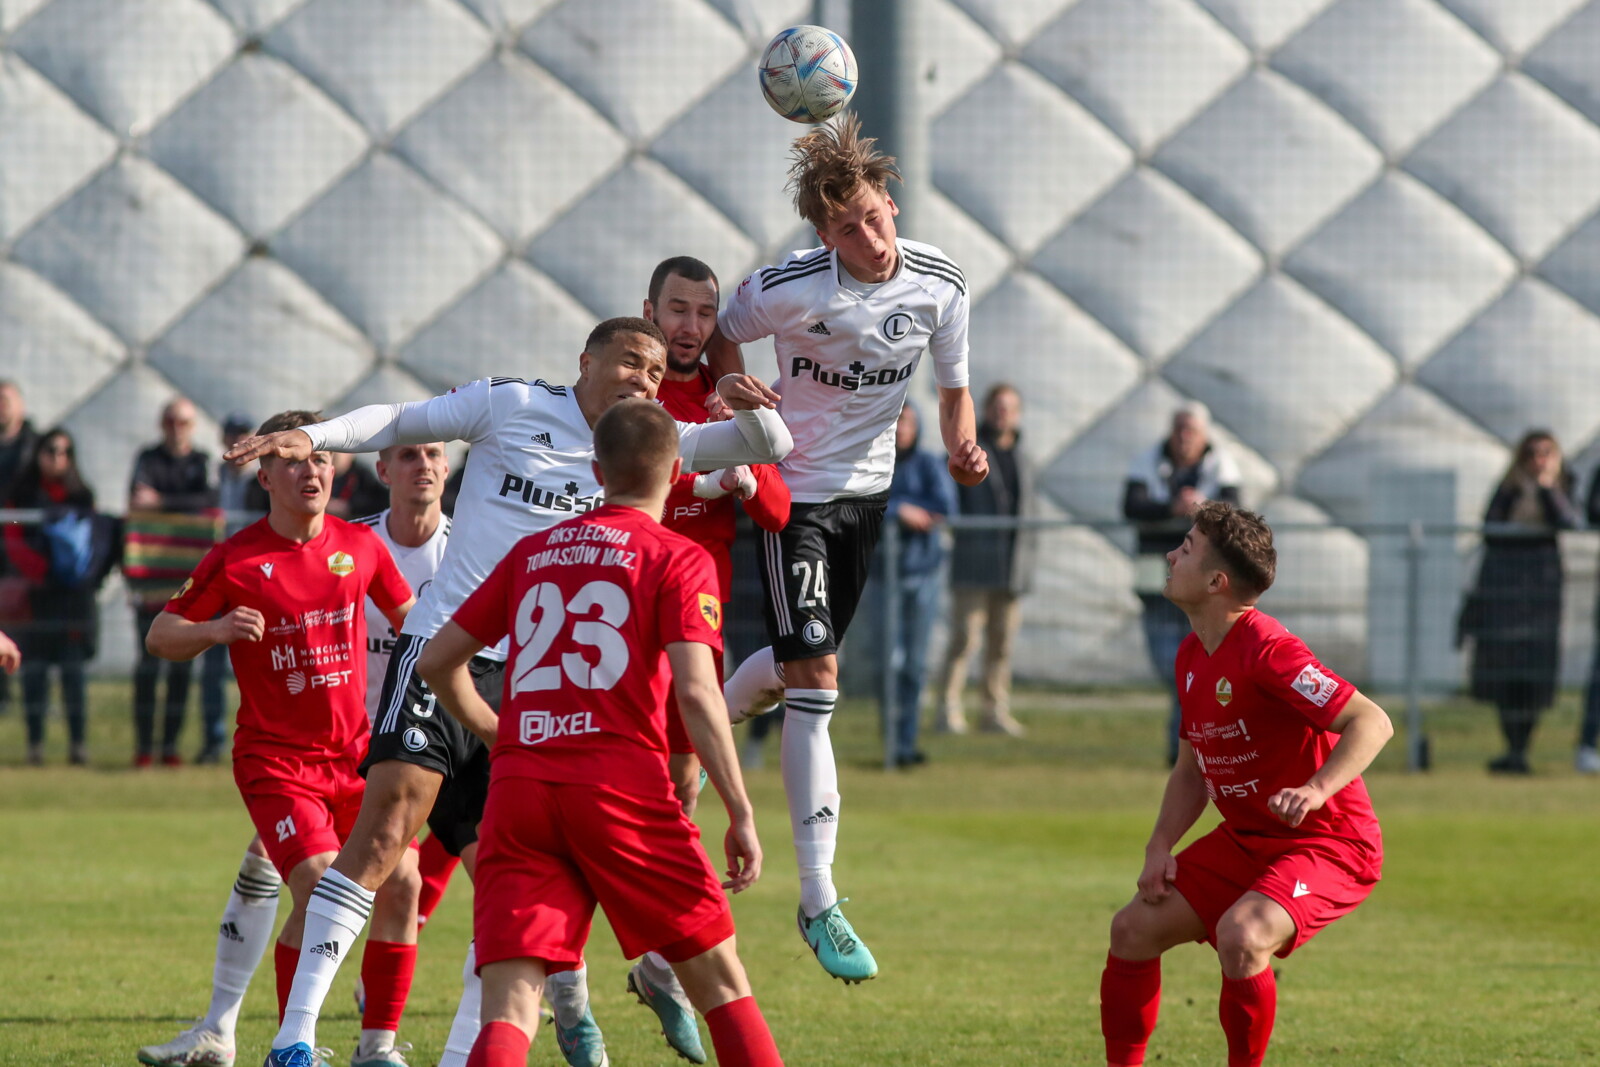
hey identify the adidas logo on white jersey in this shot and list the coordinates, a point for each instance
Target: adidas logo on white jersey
(821, 329)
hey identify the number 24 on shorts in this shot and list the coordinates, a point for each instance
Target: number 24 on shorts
(813, 583)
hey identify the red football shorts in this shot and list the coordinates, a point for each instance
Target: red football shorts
(1313, 882)
(299, 809)
(548, 852)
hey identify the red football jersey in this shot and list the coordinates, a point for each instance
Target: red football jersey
(591, 605)
(302, 687)
(711, 522)
(1256, 712)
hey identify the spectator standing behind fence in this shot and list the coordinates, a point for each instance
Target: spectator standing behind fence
(63, 558)
(1588, 756)
(172, 478)
(1513, 613)
(17, 438)
(242, 500)
(1166, 486)
(921, 498)
(990, 570)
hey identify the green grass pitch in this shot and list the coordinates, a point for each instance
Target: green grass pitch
(983, 882)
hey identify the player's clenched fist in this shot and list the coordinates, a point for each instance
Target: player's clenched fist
(969, 464)
(240, 624)
(746, 392)
(292, 445)
(10, 655)
(1155, 881)
(1293, 805)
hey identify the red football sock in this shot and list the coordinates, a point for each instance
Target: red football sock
(386, 970)
(436, 866)
(739, 1034)
(1130, 999)
(1247, 1008)
(499, 1045)
(284, 961)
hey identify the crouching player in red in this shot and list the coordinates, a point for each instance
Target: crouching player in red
(581, 808)
(1278, 743)
(289, 591)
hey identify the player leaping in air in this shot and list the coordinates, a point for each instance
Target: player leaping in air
(851, 321)
(530, 467)
(1278, 743)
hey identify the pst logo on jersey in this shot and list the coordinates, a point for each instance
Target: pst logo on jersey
(711, 608)
(341, 563)
(1315, 686)
(1224, 692)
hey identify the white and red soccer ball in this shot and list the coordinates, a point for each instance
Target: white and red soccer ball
(808, 74)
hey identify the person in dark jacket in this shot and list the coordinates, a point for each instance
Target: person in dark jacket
(172, 477)
(1587, 759)
(1513, 614)
(64, 559)
(1166, 485)
(990, 570)
(921, 498)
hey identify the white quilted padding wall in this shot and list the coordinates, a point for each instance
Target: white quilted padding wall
(1365, 232)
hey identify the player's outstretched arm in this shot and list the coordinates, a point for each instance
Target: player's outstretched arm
(366, 429)
(705, 717)
(10, 655)
(1363, 728)
(176, 638)
(1181, 804)
(958, 425)
(756, 434)
(723, 356)
(443, 665)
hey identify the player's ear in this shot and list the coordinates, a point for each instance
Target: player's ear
(677, 469)
(599, 475)
(894, 208)
(824, 239)
(383, 471)
(583, 365)
(261, 475)
(649, 312)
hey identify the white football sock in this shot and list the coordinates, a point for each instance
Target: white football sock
(751, 689)
(568, 993)
(241, 939)
(335, 916)
(375, 1041)
(811, 784)
(660, 972)
(464, 1028)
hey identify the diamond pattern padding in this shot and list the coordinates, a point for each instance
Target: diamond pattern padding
(1366, 233)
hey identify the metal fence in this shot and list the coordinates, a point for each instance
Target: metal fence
(1381, 604)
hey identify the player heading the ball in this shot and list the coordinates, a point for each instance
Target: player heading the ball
(604, 611)
(851, 321)
(1278, 743)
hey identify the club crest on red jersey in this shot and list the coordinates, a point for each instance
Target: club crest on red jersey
(341, 563)
(711, 608)
(188, 584)
(1224, 692)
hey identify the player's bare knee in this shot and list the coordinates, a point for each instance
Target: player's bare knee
(405, 881)
(1131, 932)
(713, 978)
(1245, 942)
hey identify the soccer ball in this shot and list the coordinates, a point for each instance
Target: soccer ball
(808, 74)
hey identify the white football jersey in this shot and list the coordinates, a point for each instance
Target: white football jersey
(529, 468)
(418, 566)
(844, 358)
